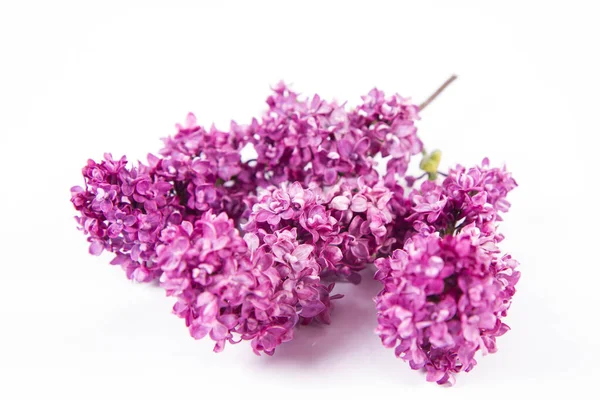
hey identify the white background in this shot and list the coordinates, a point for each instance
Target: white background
(78, 79)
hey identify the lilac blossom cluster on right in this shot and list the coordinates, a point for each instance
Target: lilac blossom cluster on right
(447, 289)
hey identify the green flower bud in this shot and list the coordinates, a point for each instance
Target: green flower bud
(430, 163)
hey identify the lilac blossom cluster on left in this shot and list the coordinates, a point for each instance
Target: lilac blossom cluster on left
(249, 249)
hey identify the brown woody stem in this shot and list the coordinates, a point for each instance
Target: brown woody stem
(437, 92)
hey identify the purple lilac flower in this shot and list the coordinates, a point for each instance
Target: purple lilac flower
(389, 124)
(285, 203)
(349, 224)
(444, 299)
(206, 268)
(312, 140)
(229, 288)
(476, 195)
(123, 211)
(364, 216)
(207, 169)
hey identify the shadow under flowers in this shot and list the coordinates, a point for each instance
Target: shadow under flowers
(353, 321)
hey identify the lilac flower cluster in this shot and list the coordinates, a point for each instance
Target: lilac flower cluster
(249, 249)
(315, 141)
(443, 300)
(446, 290)
(225, 285)
(124, 211)
(347, 223)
